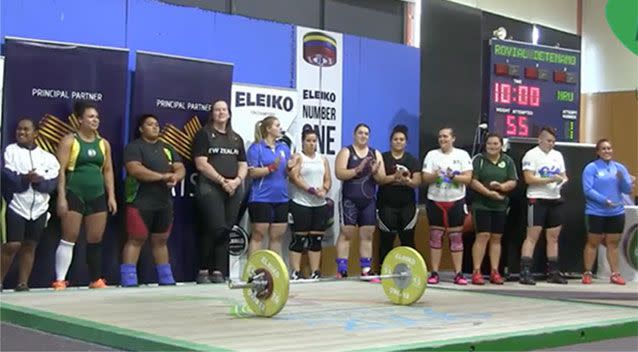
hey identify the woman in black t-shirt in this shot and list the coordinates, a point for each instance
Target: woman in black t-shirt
(220, 158)
(153, 168)
(396, 200)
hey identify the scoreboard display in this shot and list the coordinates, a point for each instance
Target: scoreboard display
(532, 86)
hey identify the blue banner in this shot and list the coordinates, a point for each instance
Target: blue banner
(42, 81)
(179, 91)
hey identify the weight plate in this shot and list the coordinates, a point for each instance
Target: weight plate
(272, 299)
(399, 260)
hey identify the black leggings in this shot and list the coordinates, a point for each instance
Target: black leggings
(218, 214)
(393, 221)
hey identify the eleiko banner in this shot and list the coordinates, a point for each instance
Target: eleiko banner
(251, 103)
(319, 85)
(179, 91)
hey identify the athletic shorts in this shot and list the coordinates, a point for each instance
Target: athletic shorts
(445, 214)
(86, 207)
(361, 212)
(308, 219)
(268, 213)
(492, 221)
(20, 229)
(605, 224)
(547, 213)
(140, 223)
(395, 219)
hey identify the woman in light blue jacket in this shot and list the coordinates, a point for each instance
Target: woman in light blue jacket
(604, 183)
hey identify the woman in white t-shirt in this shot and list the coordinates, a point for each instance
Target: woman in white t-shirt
(311, 181)
(447, 171)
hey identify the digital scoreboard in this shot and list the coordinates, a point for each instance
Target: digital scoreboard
(532, 86)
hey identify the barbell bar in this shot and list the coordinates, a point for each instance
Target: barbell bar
(265, 281)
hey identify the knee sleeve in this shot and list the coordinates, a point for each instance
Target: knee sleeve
(297, 243)
(456, 242)
(436, 238)
(314, 243)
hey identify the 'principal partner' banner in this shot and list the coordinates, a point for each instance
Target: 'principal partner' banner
(42, 81)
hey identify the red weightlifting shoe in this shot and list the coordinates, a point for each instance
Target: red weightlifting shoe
(477, 279)
(587, 278)
(616, 279)
(496, 278)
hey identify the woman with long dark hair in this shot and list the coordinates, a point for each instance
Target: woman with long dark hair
(220, 159)
(494, 175)
(86, 193)
(311, 181)
(396, 199)
(360, 168)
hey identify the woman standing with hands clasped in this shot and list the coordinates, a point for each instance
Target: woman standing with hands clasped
(494, 175)
(268, 165)
(311, 181)
(396, 199)
(604, 182)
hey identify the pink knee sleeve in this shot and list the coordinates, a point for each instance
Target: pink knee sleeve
(456, 242)
(436, 238)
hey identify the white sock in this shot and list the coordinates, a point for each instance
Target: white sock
(63, 257)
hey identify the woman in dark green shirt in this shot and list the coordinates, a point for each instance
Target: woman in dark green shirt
(494, 176)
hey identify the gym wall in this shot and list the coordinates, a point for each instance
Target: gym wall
(380, 78)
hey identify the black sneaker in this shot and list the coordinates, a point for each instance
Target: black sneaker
(556, 278)
(342, 274)
(316, 275)
(526, 279)
(217, 277)
(203, 278)
(22, 288)
(296, 275)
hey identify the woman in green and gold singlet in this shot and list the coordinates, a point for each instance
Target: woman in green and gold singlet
(85, 192)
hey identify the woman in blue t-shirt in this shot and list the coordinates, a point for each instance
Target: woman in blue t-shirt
(604, 182)
(268, 164)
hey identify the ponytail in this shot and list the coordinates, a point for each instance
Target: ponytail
(261, 128)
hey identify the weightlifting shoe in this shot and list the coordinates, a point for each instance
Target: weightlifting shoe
(434, 278)
(587, 278)
(617, 279)
(374, 280)
(203, 278)
(496, 278)
(556, 278)
(526, 279)
(296, 275)
(477, 279)
(460, 279)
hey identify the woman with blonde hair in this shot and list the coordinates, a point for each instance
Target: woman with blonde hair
(268, 165)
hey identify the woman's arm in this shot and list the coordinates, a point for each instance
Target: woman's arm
(207, 170)
(63, 155)
(109, 179)
(341, 166)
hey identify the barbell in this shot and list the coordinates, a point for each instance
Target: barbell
(265, 281)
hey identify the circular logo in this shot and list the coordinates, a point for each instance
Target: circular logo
(501, 164)
(238, 241)
(91, 153)
(630, 246)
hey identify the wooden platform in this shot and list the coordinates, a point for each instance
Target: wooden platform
(326, 317)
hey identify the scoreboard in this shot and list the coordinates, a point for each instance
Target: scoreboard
(531, 86)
